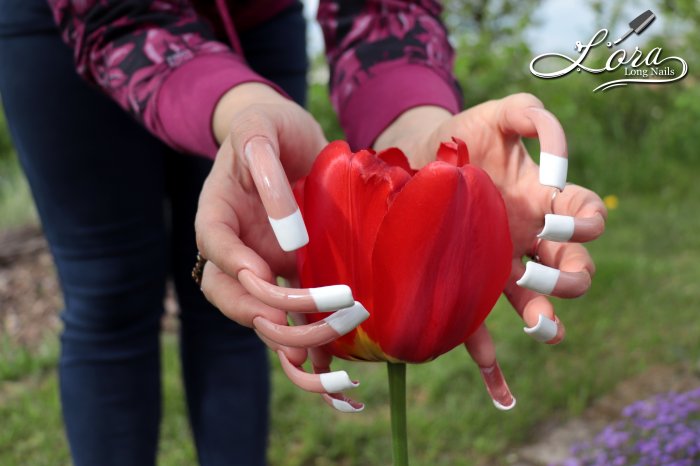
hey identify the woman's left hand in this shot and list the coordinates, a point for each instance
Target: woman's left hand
(493, 132)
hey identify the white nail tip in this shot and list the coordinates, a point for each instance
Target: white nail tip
(290, 231)
(336, 382)
(557, 228)
(329, 298)
(539, 278)
(545, 330)
(345, 407)
(553, 170)
(344, 320)
(501, 407)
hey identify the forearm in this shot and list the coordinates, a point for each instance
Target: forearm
(158, 60)
(387, 59)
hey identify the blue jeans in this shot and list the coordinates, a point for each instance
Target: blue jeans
(117, 207)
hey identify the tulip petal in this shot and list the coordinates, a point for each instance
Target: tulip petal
(441, 259)
(343, 201)
(394, 157)
(427, 254)
(455, 152)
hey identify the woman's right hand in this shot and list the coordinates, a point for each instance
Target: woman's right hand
(248, 224)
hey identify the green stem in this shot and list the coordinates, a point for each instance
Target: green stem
(397, 402)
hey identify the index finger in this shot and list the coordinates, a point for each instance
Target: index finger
(579, 214)
(525, 115)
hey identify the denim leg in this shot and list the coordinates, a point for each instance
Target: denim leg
(98, 181)
(225, 365)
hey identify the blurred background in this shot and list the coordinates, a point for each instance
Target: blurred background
(634, 335)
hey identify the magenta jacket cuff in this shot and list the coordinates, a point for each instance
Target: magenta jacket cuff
(368, 112)
(188, 97)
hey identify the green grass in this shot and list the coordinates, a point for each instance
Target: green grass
(32, 430)
(16, 205)
(16, 362)
(641, 311)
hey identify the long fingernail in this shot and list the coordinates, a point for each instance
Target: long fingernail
(497, 387)
(345, 407)
(276, 194)
(328, 298)
(345, 320)
(336, 382)
(290, 231)
(557, 228)
(553, 170)
(539, 278)
(544, 330)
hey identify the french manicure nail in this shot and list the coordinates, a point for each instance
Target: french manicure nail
(502, 407)
(345, 407)
(276, 194)
(553, 170)
(497, 387)
(329, 298)
(336, 382)
(539, 278)
(345, 320)
(557, 228)
(290, 231)
(544, 330)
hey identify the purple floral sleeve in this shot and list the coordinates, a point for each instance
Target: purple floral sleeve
(386, 56)
(158, 59)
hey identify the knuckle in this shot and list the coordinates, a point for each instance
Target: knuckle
(527, 99)
(254, 119)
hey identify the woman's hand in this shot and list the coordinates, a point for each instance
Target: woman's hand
(248, 223)
(493, 132)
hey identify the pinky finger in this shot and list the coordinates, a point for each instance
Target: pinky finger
(541, 323)
(481, 349)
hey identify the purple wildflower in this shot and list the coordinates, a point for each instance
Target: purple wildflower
(661, 431)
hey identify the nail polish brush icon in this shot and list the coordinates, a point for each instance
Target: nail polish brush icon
(638, 25)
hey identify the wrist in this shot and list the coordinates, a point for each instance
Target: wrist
(413, 131)
(238, 98)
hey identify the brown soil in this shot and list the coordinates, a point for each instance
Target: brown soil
(30, 297)
(29, 292)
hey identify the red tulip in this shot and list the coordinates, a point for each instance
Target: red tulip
(427, 252)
